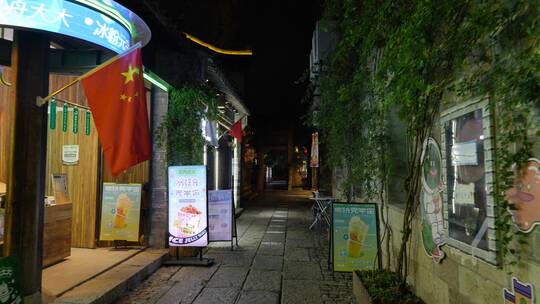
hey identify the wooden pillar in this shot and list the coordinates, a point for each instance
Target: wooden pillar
(28, 146)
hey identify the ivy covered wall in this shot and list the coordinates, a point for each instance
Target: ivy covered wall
(396, 70)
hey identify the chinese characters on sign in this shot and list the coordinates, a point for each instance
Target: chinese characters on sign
(220, 215)
(188, 206)
(67, 18)
(120, 212)
(354, 236)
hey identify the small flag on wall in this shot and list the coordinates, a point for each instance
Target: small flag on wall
(64, 117)
(87, 127)
(75, 120)
(52, 117)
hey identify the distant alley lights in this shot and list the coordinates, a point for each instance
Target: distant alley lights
(217, 49)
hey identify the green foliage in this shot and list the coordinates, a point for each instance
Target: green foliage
(384, 287)
(181, 127)
(408, 55)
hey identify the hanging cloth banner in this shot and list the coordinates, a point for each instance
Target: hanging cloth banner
(64, 118)
(75, 120)
(87, 124)
(314, 163)
(52, 114)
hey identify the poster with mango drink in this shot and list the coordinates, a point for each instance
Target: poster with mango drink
(120, 212)
(354, 236)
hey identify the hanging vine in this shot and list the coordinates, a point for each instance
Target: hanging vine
(427, 48)
(180, 130)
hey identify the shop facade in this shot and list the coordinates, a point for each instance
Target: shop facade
(54, 181)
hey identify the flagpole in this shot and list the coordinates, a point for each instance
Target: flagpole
(40, 101)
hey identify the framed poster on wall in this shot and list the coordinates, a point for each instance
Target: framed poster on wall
(355, 244)
(188, 215)
(120, 212)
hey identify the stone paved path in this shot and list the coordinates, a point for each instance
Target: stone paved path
(279, 260)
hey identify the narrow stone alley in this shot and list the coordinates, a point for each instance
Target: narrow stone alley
(279, 260)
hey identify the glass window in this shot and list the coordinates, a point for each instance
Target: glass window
(465, 176)
(467, 163)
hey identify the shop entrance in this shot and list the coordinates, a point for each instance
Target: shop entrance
(75, 175)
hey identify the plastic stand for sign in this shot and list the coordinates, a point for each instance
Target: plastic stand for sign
(331, 239)
(120, 245)
(234, 232)
(189, 261)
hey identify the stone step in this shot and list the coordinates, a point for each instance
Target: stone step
(113, 284)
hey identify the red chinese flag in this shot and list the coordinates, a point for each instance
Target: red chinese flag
(236, 130)
(116, 96)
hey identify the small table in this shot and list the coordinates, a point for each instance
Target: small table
(321, 204)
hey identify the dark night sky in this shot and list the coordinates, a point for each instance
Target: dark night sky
(279, 32)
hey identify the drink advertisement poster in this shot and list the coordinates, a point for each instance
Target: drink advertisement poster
(120, 212)
(354, 236)
(220, 215)
(188, 217)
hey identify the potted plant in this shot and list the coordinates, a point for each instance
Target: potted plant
(381, 287)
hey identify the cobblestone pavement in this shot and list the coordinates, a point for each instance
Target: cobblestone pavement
(279, 260)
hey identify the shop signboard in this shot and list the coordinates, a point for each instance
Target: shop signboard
(188, 217)
(354, 236)
(10, 280)
(120, 212)
(520, 293)
(71, 19)
(220, 215)
(70, 155)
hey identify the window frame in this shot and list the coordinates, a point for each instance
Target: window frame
(489, 255)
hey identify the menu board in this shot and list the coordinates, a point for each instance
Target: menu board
(220, 215)
(354, 236)
(120, 212)
(188, 217)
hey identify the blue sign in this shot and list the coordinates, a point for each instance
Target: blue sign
(70, 19)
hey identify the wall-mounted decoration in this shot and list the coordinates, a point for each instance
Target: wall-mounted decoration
(87, 126)
(75, 120)
(64, 117)
(70, 155)
(525, 196)
(433, 232)
(52, 114)
(521, 293)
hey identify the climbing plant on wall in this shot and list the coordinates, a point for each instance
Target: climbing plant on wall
(407, 55)
(180, 131)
